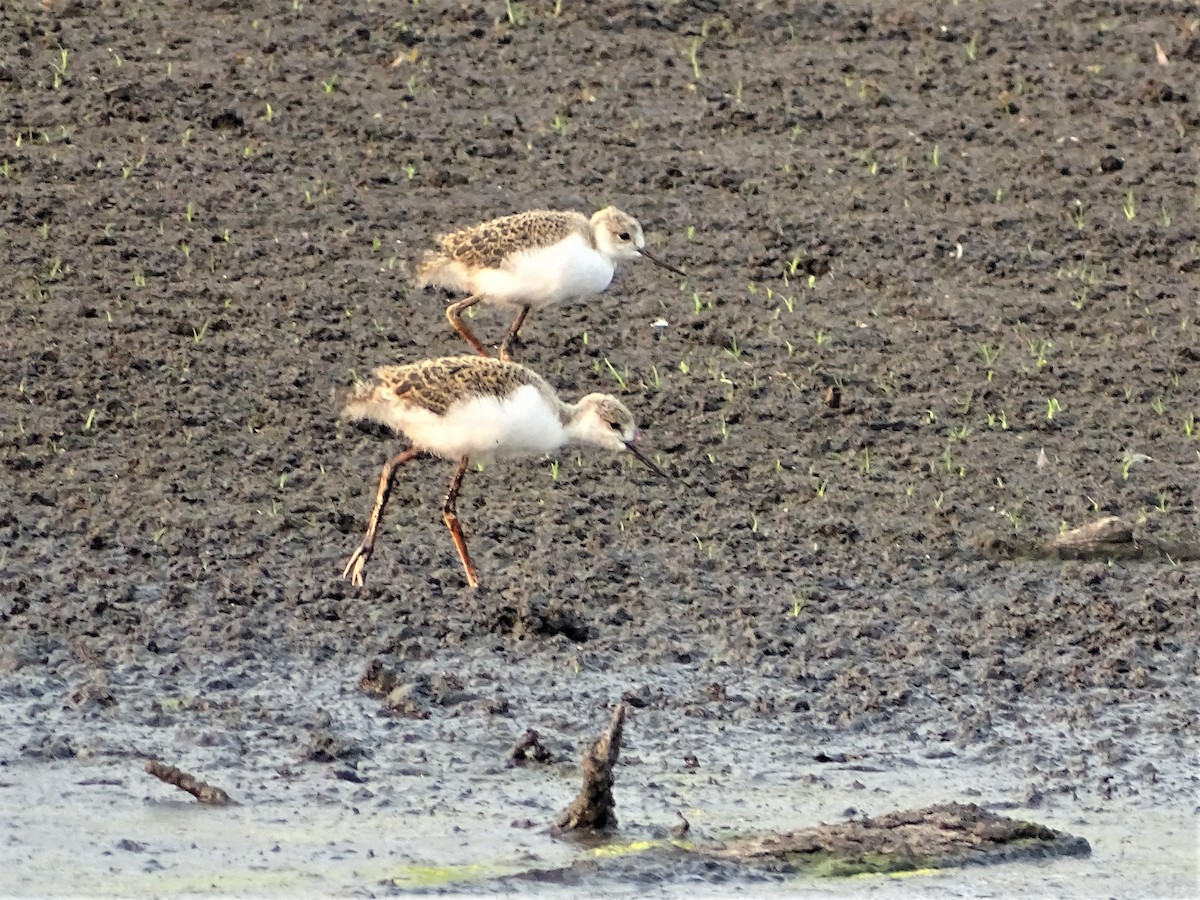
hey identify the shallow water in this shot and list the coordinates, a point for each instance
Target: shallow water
(437, 808)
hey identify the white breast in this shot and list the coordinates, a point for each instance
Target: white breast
(521, 424)
(537, 278)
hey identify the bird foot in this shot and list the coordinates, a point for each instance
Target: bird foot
(510, 343)
(356, 565)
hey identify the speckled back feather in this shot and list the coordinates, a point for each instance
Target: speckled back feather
(436, 384)
(487, 245)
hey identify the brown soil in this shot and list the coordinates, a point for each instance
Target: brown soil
(941, 303)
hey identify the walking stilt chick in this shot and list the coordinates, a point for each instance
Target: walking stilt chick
(472, 407)
(530, 261)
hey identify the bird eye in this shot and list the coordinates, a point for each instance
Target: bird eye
(624, 235)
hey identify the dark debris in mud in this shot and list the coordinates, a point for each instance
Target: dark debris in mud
(208, 794)
(325, 745)
(1106, 539)
(936, 837)
(529, 749)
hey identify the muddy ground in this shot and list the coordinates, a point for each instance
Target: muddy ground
(942, 262)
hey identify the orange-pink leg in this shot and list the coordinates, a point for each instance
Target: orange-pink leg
(358, 561)
(512, 333)
(450, 515)
(454, 314)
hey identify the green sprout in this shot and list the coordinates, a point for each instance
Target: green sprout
(972, 48)
(60, 68)
(516, 13)
(694, 56)
(1078, 219)
(1129, 460)
(615, 374)
(990, 354)
(1129, 207)
(1041, 351)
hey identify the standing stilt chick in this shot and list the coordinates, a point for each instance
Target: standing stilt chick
(530, 261)
(472, 407)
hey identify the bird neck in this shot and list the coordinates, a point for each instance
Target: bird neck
(571, 416)
(566, 412)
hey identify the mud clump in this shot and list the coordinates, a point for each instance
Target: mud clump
(936, 837)
(529, 748)
(941, 837)
(594, 808)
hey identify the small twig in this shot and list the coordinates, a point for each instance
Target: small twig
(205, 793)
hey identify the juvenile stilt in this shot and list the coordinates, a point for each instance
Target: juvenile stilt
(473, 407)
(532, 260)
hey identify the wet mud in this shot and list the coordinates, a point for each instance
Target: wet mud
(940, 306)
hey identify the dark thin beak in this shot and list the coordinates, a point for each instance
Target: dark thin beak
(660, 263)
(650, 464)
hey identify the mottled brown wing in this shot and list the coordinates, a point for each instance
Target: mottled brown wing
(437, 384)
(486, 246)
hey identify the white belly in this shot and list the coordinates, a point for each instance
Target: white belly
(565, 271)
(522, 424)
